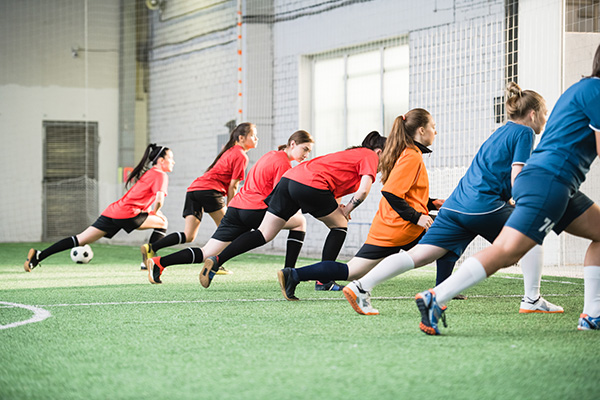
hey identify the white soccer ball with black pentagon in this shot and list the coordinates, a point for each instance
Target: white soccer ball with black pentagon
(82, 254)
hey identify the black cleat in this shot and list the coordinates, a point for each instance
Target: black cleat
(155, 270)
(209, 269)
(288, 283)
(32, 260)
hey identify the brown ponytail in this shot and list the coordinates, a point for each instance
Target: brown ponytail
(298, 137)
(520, 102)
(401, 136)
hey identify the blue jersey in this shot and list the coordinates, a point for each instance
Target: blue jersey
(486, 186)
(568, 145)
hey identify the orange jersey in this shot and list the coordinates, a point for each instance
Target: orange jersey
(141, 195)
(340, 172)
(262, 178)
(408, 180)
(231, 166)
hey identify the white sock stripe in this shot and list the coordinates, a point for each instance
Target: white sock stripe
(180, 238)
(74, 239)
(193, 255)
(340, 229)
(160, 232)
(295, 240)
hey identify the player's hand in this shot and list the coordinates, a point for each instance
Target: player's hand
(425, 221)
(346, 211)
(438, 203)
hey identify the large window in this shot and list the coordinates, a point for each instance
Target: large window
(356, 91)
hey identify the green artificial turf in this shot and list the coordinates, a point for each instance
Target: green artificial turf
(112, 335)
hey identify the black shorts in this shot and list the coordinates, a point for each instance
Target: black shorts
(202, 200)
(290, 196)
(112, 225)
(237, 221)
(373, 252)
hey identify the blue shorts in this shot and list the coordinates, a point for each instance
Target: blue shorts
(454, 231)
(544, 203)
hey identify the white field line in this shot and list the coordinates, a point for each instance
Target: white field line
(39, 314)
(122, 303)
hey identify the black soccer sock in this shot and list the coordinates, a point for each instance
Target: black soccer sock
(294, 244)
(333, 243)
(157, 234)
(443, 271)
(323, 271)
(246, 242)
(191, 255)
(61, 245)
(170, 240)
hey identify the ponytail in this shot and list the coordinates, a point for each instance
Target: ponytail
(520, 102)
(298, 137)
(401, 136)
(151, 155)
(242, 129)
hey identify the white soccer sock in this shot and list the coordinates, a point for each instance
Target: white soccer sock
(470, 273)
(591, 284)
(531, 265)
(388, 268)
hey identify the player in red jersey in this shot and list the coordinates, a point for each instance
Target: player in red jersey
(313, 187)
(403, 213)
(130, 212)
(247, 209)
(207, 192)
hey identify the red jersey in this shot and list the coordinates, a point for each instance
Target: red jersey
(340, 172)
(141, 195)
(409, 181)
(262, 178)
(231, 166)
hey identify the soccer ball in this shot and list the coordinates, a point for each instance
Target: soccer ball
(82, 254)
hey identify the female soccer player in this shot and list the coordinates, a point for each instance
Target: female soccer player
(207, 192)
(312, 187)
(478, 206)
(402, 217)
(129, 212)
(247, 209)
(547, 198)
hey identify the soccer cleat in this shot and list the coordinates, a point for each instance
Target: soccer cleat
(359, 299)
(431, 312)
(223, 271)
(288, 283)
(155, 270)
(540, 305)
(208, 271)
(147, 252)
(143, 266)
(32, 260)
(329, 286)
(587, 323)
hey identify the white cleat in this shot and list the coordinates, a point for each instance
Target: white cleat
(540, 305)
(359, 299)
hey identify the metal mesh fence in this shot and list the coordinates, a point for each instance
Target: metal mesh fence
(181, 72)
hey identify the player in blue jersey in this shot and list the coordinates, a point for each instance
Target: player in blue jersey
(547, 198)
(478, 206)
